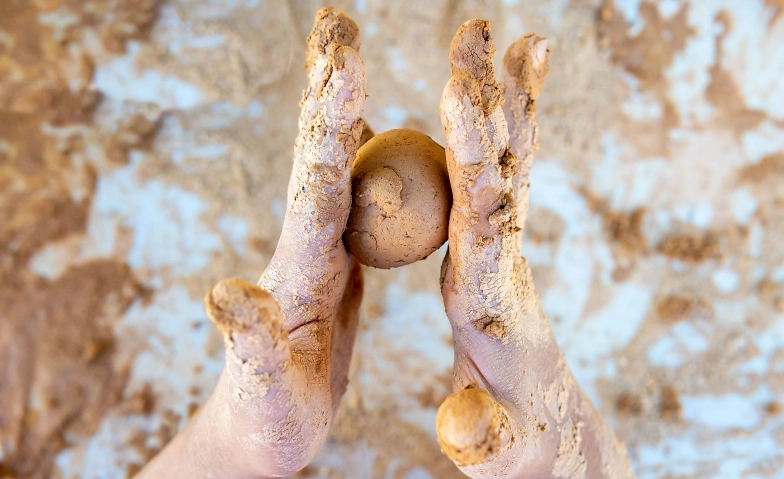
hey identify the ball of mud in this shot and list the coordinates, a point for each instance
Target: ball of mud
(401, 199)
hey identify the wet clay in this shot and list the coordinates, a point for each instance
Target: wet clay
(470, 426)
(235, 305)
(401, 200)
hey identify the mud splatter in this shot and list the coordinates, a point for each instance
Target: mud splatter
(690, 248)
(675, 308)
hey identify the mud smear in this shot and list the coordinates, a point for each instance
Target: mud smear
(56, 340)
(723, 92)
(646, 56)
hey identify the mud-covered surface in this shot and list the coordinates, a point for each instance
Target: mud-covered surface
(145, 149)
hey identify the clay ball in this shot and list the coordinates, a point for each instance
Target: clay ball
(401, 199)
(469, 426)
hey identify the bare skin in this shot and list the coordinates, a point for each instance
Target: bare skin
(289, 339)
(531, 419)
(516, 411)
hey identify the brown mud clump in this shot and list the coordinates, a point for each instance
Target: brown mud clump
(401, 200)
(470, 425)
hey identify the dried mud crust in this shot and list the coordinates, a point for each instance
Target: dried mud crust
(332, 26)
